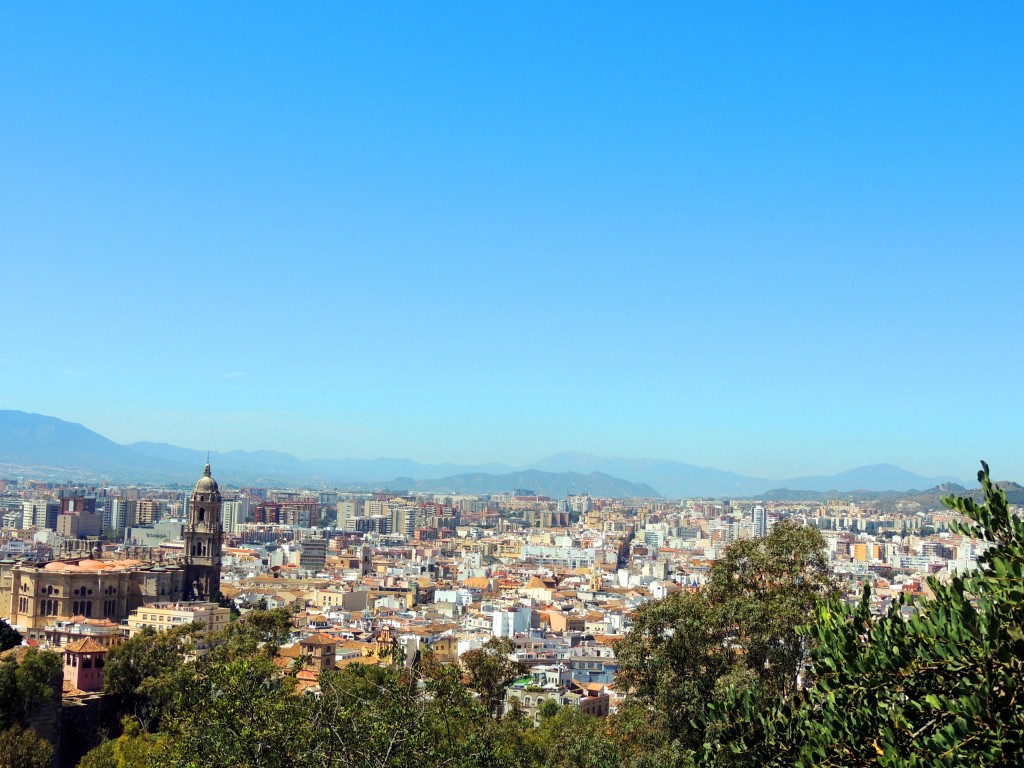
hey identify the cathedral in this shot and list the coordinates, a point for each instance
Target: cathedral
(34, 596)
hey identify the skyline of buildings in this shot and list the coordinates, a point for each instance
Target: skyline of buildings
(373, 577)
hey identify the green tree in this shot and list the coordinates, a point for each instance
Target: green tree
(548, 709)
(643, 737)
(491, 670)
(258, 631)
(9, 636)
(767, 588)
(27, 686)
(22, 748)
(570, 739)
(940, 688)
(389, 717)
(145, 674)
(239, 712)
(133, 749)
(672, 658)
(739, 631)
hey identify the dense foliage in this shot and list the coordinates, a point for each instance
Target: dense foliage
(22, 748)
(940, 688)
(9, 636)
(26, 688)
(739, 632)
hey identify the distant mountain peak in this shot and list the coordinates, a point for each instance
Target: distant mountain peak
(44, 441)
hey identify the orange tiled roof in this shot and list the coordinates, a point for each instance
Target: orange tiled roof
(319, 639)
(85, 645)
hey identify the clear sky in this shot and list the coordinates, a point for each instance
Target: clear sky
(779, 239)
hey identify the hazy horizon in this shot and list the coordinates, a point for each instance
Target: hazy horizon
(774, 241)
(539, 458)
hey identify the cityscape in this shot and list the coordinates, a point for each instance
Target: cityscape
(461, 385)
(411, 579)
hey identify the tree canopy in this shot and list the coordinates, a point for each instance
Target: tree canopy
(9, 636)
(26, 687)
(941, 687)
(739, 631)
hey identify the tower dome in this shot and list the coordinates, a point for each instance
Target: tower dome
(206, 483)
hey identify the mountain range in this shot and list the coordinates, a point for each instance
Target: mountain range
(58, 448)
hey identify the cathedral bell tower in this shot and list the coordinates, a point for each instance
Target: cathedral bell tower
(204, 536)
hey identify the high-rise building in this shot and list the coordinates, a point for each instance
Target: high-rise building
(760, 521)
(12, 511)
(234, 512)
(349, 509)
(148, 511)
(122, 514)
(79, 525)
(313, 555)
(77, 505)
(403, 519)
(41, 513)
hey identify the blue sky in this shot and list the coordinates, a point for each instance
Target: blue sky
(777, 240)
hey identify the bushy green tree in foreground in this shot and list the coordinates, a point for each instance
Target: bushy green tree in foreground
(739, 632)
(26, 687)
(22, 748)
(944, 687)
(9, 636)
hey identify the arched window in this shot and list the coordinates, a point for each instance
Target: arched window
(202, 514)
